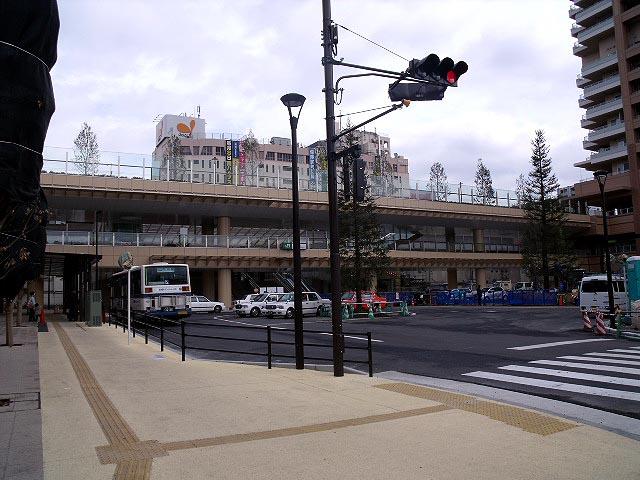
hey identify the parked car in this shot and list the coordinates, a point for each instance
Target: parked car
(368, 297)
(256, 304)
(199, 303)
(494, 295)
(311, 305)
(248, 298)
(523, 286)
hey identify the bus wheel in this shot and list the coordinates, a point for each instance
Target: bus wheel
(217, 309)
(255, 311)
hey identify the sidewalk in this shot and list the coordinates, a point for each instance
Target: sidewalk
(20, 420)
(126, 412)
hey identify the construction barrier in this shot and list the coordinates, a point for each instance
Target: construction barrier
(600, 328)
(587, 327)
(42, 323)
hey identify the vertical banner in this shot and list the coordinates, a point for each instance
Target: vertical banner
(323, 167)
(243, 167)
(313, 167)
(228, 164)
(235, 158)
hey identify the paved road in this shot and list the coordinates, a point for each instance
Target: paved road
(481, 345)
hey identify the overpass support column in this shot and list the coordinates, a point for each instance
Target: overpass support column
(208, 284)
(224, 287)
(452, 278)
(478, 240)
(224, 225)
(481, 277)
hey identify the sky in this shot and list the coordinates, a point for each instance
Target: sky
(121, 63)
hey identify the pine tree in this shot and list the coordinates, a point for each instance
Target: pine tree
(85, 151)
(251, 162)
(438, 181)
(545, 241)
(363, 252)
(485, 193)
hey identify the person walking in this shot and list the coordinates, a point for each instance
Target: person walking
(31, 306)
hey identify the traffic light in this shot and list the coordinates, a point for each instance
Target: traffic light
(416, 91)
(443, 71)
(359, 180)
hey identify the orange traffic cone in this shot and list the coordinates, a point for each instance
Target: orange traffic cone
(42, 324)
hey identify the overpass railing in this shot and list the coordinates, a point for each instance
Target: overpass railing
(142, 167)
(126, 239)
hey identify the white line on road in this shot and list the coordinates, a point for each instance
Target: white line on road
(589, 366)
(604, 360)
(613, 355)
(555, 344)
(576, 375)
(567, 387)
(280, 328)
(622, 350)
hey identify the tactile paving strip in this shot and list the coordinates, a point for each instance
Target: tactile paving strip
(526, 420)
(120, 435)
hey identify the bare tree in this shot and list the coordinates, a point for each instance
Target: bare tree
(438, 181)
(85, 151)
(251, 161)
(485, 193)
(173, 158)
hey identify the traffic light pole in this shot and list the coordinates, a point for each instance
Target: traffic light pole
(334, 252)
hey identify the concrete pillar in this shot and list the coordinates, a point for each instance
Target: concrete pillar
(208, 284)
(224, 225)
(224, 287)
(481, 277)
(452, 278)
(478, 240)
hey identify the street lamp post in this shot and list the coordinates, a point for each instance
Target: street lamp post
(601, 178)
(295, 100)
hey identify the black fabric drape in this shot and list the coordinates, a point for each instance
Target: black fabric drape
(28, 51)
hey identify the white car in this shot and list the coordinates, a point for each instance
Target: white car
(256, 304)
(311, 305)
(198, 303)
(494, 294)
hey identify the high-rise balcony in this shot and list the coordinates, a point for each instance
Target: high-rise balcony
(586, 14)
(600, 64)
(579, 48)
(594, 31)
(573, 11)
(605, 132)
(604, 155)
(601, 86)
(603, 108)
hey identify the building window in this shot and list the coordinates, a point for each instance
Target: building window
(185, 150)
(395, 168)
(209, 178)
(270, 156)
(209, 164)
(196, 162)
(207, 150)
(217, 164)
(220, 151)
(286, 168)
(196, 150)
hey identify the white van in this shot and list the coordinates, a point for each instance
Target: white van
(593, 292)
(524, 286)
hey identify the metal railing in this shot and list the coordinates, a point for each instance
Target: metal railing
(613, 55)
(126, 239)
(603, 152)
(600, 26)
(160, 328)
(602, 106)
(596, 132)
(587, 12)
(512, 297)
(141, 167)
(592, 87)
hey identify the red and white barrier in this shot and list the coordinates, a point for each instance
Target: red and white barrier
(587, 327)
(600, 328)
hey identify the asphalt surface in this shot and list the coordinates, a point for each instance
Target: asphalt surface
(467, 343)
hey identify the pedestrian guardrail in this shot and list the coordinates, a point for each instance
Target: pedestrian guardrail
(179, 333)
(514, 297)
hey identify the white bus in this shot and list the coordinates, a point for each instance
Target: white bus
(161, 289)
(594, 293)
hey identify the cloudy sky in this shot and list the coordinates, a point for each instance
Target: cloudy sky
(123, 62)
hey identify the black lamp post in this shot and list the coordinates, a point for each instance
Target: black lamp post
(295, 100)
(601, 177)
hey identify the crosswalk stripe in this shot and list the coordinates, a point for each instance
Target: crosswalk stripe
(604, 360)
(567, 387)
(556, 344)
(623, 350)
(576, 375)
(635, 347)
(613, 355)
(589, 366)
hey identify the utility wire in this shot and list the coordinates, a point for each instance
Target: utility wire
(371, 41)
(363, 111)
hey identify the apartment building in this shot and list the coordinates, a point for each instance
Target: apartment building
(607, 36)
(224, 159)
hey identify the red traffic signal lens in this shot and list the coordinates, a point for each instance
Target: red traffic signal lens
(451, 76)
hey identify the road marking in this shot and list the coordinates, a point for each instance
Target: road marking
(568, 374)
(613, 355)
(589, 366)
(321, 333)
(622, 350)
(605, 360)
(567, 387)
(555, 344)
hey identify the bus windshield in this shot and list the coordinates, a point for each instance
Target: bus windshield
(166, 275)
